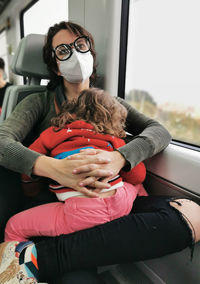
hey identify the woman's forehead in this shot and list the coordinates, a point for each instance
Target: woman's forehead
(63, 36)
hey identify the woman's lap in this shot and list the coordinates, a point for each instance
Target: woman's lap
(153, 229)
(11, 197)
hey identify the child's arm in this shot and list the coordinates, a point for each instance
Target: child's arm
(136, 175)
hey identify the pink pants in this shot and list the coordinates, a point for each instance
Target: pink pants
(74, 214)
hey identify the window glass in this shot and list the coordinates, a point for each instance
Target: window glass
(44, 14)
(3, 52)
(163, 64)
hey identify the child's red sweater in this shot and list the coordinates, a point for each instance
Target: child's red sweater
(71, 139)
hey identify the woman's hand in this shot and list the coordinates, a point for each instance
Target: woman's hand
(62, 171)
(95, 172)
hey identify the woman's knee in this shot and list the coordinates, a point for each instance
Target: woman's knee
(190, 211)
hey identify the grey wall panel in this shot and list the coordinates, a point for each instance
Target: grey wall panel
(102, 18)
(178, 165)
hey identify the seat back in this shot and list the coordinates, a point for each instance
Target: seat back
(27, 62)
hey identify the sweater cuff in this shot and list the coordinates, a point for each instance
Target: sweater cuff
(136, 151)
(23, 159)
(127, 166)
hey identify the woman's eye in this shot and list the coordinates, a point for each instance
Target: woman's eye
(63, 51)
(81, 46)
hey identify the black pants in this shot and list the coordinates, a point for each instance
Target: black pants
(86, 276)
(153, 229)
(11, 197)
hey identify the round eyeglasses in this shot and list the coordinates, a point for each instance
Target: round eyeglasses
(64, 51)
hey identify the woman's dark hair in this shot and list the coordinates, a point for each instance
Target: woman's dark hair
(50, 60)
(2, 63)
(96, 107)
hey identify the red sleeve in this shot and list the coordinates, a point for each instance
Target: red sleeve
(136, 175)
(40, 145)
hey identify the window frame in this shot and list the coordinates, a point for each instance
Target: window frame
(21, 17)
(123, 48)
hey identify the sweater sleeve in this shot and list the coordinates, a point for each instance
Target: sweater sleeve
(13, 155)
(149, 136)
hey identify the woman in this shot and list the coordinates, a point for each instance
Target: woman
(154, 224)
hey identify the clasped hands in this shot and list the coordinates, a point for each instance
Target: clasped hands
(90, 168)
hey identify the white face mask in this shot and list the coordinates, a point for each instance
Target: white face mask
(78, 67)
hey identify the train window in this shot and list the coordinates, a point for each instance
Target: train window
(4, 52)
(163, 64)
(39, 16)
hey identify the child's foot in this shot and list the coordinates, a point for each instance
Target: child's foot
(18, 263)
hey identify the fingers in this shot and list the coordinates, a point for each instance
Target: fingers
(89, 159)
(92, 181)
(83, 154)
(87, 192)
(93, 171)
(85, 168)
(105, 180)
(90, 155)
(97, 190)
(88, 151)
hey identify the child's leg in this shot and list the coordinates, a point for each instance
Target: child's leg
(83, 213)
(121, 203)
(44, 220)
(141, 190)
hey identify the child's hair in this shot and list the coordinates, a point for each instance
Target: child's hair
(97, 107)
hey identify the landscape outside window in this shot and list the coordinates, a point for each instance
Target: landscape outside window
(163, 64)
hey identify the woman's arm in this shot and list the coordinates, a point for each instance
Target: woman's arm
(13, 131)
(149, 136)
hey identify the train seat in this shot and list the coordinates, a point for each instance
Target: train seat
(27, 62)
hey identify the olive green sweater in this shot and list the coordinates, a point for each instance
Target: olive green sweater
(33, 115)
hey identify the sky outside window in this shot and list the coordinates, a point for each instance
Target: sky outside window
(164, 51)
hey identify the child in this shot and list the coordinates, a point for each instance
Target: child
(96, 120)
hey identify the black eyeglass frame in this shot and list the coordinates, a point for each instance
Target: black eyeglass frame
(70, 47)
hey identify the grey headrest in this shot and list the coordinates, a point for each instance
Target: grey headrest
(28, 60)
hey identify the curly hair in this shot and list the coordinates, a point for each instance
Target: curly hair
(49, 58)
(97, 107)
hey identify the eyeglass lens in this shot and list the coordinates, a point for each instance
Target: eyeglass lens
(64, 51)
